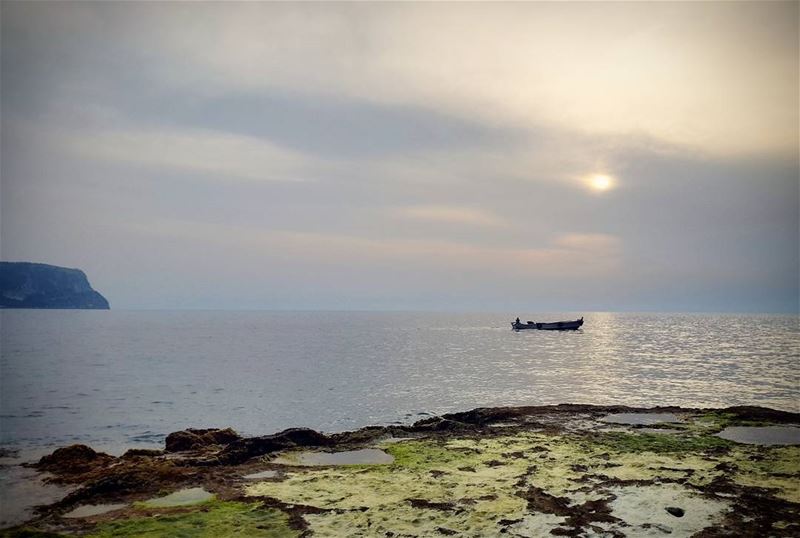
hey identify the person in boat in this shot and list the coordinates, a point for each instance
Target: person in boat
(517, 322)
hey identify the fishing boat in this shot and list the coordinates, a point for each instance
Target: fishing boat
(554, 326)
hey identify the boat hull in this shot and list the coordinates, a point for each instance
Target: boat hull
(555, 326)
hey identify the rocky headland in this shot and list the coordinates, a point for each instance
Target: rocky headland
(567, 470)
(38, 285)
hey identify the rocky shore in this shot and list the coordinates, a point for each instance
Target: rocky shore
(567, 470)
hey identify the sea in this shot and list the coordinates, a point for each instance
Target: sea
(121, 379)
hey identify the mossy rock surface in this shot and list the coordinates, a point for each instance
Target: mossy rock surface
(537, 483)
(215, 520)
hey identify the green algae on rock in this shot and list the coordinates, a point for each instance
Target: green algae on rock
(525, 483)
(216, 519)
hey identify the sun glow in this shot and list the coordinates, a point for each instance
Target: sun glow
(600, 182)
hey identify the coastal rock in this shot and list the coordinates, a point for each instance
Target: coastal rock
(243, 449)
(756, 413)
(472, 481)
(141, 453)
(193, 439)
(182, 441)
(37, 285)
(73, 459)
(440, 424)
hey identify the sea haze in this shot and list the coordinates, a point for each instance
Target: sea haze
(117, 379)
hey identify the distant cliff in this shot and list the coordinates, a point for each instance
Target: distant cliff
(36, 285)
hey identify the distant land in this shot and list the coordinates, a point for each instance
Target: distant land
(38, 285)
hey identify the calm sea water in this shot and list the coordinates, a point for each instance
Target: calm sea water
(116, 379)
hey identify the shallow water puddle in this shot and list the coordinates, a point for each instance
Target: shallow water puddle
(365, 456)
(262, 474)
(762, 435)
(88, 510)
(640, 419)
(182, 497)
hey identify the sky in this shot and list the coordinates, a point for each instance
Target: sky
(519, 157)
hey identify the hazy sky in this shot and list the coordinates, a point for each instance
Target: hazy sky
(516, 157)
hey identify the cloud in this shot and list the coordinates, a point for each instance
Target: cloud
(566, 255)
(702, 75)
(221, 155)
(418, 146)
(451, 215)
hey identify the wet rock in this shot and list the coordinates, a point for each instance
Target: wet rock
(73, 460)
(243, 449)
(577, 516)
(541, 501)
(193, 439)
(424, 503)
(749, 412)
(439, 424)
(364, 435)
(304, 437)
(141, 453)
(726, 467)
(223, 436)
(183, 440)
(675, 511)
(481, 416)
(135, 475)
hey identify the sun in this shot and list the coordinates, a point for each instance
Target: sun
(600, 182)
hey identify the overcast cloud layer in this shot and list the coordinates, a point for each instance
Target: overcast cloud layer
(407, 156)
